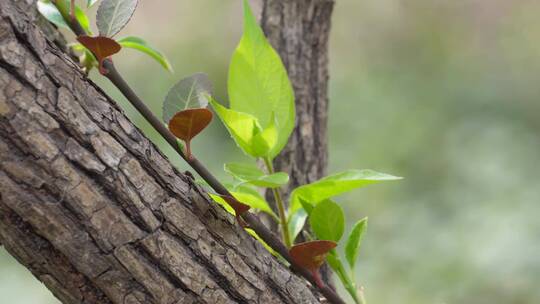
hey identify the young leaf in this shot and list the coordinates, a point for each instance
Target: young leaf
(238, 207)
(327, 221)
(344, 276)
(113, 15)
(191, 92)
(188, 123)
(258, 83)
(51, 13)
(218, 199)
(264, 141)
(307, 206)
(335, 263)
(251, 174)
(255, 202)
(352, 246)
(246, 131)
(258, 238)
(311, 255)
(101, 47)
(296, 223)
(335, 185)
(232, 205)
(141, 45)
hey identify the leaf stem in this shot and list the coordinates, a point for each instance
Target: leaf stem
(281, 207)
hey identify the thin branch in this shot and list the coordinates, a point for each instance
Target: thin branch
(253, 222)
(281, 207)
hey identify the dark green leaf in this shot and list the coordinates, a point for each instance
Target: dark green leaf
(354, 241)
(327, 221)
(113, 15)
(141, 45)
(191, 92)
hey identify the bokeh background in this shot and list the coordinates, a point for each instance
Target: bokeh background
(444, 93)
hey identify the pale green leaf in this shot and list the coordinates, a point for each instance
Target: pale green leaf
(264, 142)
(258, 238)
(254, 201)
(344, 276)
(334, 185)
(113, 15)
(337, 265)
(51, 13)
(218, 199)
(141, 45)
(296, 223)
(251, 174)
(89, 3)
(191, 92)
(258, 83)
(246, 131)
(250, 199)
(354, 241)
(327, 221)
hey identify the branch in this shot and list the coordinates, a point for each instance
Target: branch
(268, 236)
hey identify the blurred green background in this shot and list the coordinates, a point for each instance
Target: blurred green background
(444, 93)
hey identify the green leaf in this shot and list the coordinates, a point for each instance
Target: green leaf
(354, 241)
(51, 13)
(296, 223)
(89, 3)
(246, 131)
(327, 221)
(334, 185)
(307, 206)
(258, 83)
(141, 45)
(298, 218)
(113, 15)
(251, 174)
(191, 92)
(253, 200)
(218, 199)
(258, 238)
(263, 142)
(335, 263)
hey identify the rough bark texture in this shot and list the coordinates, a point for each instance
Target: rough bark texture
(299, 31)
(94, 210)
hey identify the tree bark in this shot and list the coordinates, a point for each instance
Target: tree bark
(94, 210)
(299, 30)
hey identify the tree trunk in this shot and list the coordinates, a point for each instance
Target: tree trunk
(94, 210)
(299, 30)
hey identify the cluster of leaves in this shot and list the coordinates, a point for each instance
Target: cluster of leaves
(112, 16)
(260, 119)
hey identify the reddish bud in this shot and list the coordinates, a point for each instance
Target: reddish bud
(101, 47)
